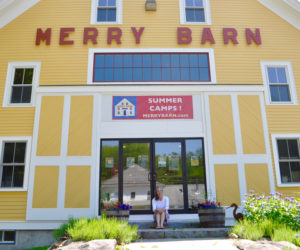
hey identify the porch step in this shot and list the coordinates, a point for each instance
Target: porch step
(183, 233)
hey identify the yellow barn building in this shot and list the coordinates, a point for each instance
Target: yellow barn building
(108, 99)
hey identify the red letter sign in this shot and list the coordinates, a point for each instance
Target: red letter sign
(64, 33)
(40, 35)
(87, 36)
(184, 35)
(251, 36)
(228, 36)
(137, 34)
(207, 36)
(114, 33)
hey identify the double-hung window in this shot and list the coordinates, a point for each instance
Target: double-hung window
(287, 159)
(21, 81)
(195, 12)
(279, 82)
(106, 11)
(13, 164)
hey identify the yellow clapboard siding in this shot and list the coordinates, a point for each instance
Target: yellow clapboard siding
(50, 126)
(257, 178)
(227, 184)
(80, 128)
(251, 124)
(222, 125)
(45, 187)
(13, 206)
(78, 187)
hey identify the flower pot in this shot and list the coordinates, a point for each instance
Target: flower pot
(119, 214)
(211, 217)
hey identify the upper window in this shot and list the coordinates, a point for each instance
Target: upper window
(152, 67)
(106, 11)
(22, 78)
(278, 78)
(195, 12)
(13, 165)
(289, 160)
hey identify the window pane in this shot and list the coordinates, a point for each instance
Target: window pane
(109, 61)
(111, 2)
(166, 60)
(109, 74)
(189, 3)
(295, 169)
(99, 61)
(127, 74)
(0, 236)
(272, 75)
(175, 74)
(20, 152)
(194, 61)
(285, 172)
(146, 60)
(156, 74)
(118, 60)
(137, 61)
(137, 74)
(99, 75)
(175, 60)
(28, 76)
(7, 176)
(18, 176)
(190, 17)
(282, 149)
(203, 60)
(284, 93)
(195, 74)
(156, 61)
(275, 94)
(18, 76)
(198, 3)
(199, 15)
(102, 15)
(26, 95)
(166, 74)
(185, 74)
(9, 236)
(293, 149)
(16, 95)
(111, 15)
(204, 74)
(118, 74)
(147, 74)
(281, 75)
(127, 60)
(8, 156)
(184, 60)
(102, 3)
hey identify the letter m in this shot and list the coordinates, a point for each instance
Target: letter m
(42, 36)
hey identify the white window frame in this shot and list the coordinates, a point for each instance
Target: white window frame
(290, 78)
(275, 137)
(12, 66)
(119, 14)
(212, 65)
(207, 13)
(2, 242)
(28, 140)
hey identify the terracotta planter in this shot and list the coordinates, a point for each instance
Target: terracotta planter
(120, 215)
(211, 217)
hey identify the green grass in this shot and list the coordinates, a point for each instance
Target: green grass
(90, 229)
(276, 232)
(39, 248)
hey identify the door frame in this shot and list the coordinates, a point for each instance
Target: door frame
(152, 142)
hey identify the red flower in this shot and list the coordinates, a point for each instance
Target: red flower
(106, 206)
(116, 205)
(219, 204)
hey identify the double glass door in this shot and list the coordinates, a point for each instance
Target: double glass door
(131, 170)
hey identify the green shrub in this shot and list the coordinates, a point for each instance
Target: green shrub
(90, 229)
(39, 248)
(283, 210)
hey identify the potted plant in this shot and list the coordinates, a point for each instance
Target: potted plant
(211, 214)
(117, 210)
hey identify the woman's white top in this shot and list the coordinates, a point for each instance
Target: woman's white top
(157, 204)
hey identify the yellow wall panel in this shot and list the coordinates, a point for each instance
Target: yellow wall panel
(78, 187)
(45, 187)
(251, 124)
(227, 184)
(50, 127)
(80, 128)
(222, 124)
(13, 206)
(257, 178)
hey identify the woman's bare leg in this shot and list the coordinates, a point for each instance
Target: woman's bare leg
(157, 220)
(162, 219)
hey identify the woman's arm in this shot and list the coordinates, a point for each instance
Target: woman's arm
(153, 205)
(167, 203)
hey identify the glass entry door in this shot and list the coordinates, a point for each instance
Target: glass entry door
(131, 169)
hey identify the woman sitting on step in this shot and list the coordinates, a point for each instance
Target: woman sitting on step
(160, 206)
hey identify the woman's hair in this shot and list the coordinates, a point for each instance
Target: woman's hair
(156, 195)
